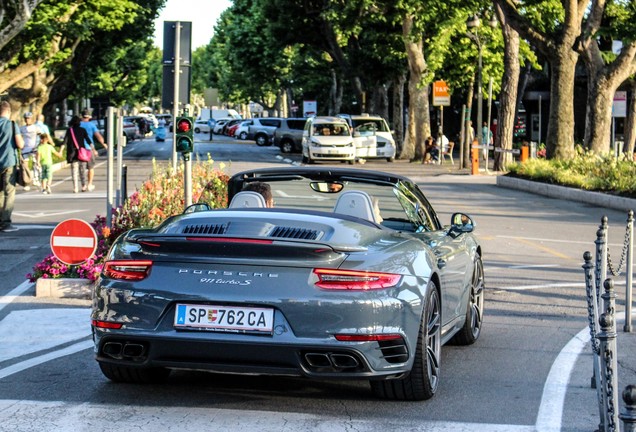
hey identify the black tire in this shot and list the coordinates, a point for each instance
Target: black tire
(391, 159)
(471, 329)
(261, 140)
(243, 136)
(197, 130)
(304, 159)
(286, 146)
(422, 381)
(134, 375)
(351, 162)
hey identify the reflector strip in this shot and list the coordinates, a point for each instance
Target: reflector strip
(367, 338)
(106, 324)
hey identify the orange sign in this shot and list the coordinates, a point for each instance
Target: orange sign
(441, 97)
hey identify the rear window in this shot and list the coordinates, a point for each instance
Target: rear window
(270, 122)
(296, 124)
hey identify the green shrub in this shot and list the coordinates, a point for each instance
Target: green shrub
(588, 170)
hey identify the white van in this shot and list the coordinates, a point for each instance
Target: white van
(327, 139)
(371, 136)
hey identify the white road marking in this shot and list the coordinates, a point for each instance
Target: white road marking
(15, 292)
(20, 416)
(61, 326)
(556, 384)
(519, 267)
(35, 361)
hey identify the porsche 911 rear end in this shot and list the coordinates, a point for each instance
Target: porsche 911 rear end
(258, 293)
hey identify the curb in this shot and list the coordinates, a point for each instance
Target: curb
(554, 191)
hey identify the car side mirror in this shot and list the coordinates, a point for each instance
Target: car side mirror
(461, 223)
(198, 207)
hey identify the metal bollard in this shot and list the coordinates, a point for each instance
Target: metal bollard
(628, 415)
(627, 328)
(592, 313)
(609, 362)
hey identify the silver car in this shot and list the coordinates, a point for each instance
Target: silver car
(350, 275)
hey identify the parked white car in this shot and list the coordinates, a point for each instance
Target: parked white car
(220, 123)
(371, 136)
(328, 139)
(201, 126)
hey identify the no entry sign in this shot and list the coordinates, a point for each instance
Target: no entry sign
(73, 241)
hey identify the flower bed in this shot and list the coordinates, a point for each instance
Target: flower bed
(159, 197)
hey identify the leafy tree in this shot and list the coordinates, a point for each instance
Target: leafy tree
(68, 43)
(14, 15)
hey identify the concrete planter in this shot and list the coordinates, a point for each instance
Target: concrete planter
(64, 288)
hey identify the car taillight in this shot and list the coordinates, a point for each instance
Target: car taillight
(131, 270)
(106, 324)
(334, 279)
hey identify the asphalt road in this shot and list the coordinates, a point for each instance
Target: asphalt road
(535, 306)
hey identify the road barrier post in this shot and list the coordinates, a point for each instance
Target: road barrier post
(524, 153)
(475, 161)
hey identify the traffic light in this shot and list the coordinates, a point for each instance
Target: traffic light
(185, 139)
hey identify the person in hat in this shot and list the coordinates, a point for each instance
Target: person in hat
(10, 141)
(93, 135)
(31, 135)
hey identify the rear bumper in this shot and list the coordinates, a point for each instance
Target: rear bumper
(317, 361)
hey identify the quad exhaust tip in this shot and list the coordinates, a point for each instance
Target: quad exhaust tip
(332, 360)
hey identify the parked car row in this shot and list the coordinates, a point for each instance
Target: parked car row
(327, 138)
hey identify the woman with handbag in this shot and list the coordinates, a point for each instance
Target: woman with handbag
(78, 153)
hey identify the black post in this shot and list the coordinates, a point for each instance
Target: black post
(124, 183)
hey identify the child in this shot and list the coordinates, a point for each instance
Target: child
(44, 159)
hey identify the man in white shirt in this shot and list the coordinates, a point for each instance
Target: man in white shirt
(30, 133)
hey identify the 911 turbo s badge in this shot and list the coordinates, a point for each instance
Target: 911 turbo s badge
(224, 277)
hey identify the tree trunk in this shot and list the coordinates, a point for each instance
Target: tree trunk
(398, 112)
(14, 24)
(560, 135)
(630, 121)
(603, 80)
(508, 95)
(419, 126)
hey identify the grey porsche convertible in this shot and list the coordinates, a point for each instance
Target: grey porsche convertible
(340, 274)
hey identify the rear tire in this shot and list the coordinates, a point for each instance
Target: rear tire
(422, 381)
(134, 375)
(471, 329)
(261, 140)
(197, 130)
(243, 136)
(286, 147)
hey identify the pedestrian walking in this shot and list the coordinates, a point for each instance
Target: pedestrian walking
(31, 135)
(45, 152)
(11, 143)
(93, 135)
(75, 137)
(211, 125)
(44, 129)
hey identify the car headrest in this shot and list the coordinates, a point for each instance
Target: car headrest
(247, 199)
(356, 203)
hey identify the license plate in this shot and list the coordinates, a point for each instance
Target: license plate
(224, 318)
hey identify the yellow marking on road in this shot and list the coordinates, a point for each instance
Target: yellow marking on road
(543, 248)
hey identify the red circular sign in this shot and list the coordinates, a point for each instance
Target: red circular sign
(73, 241)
